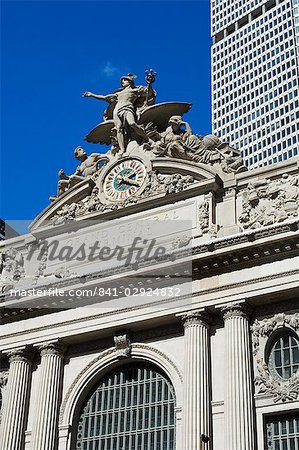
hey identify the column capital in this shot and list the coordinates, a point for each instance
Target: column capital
(24, 354)
(192, 318)
(236, 310)
(56, 348)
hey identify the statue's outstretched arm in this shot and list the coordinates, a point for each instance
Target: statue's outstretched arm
(62, 175)
(107, 98)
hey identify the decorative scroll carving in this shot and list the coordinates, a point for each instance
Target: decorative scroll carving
(122, 345)
(266, 202)
(280, 390)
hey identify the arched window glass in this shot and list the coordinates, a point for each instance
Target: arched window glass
(284, 356)
(131, 408)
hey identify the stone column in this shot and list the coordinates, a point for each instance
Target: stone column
(13, 423)
(196, 408)
(238, 402)
(45, 429)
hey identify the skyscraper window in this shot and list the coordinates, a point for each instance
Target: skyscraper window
(255, 49)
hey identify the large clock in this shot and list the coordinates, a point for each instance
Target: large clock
(124, 179)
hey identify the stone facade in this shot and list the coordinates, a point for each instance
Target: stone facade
(230, 235)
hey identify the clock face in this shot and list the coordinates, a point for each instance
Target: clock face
(125, 179)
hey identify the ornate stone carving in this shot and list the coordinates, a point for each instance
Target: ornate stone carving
(161, 129)
(178, 141)
(125, 103)
(89, 166)
(264, 328)
(3, 379)
(196, 318)
(12, 262)
(122, 345)
(235, 310)
(266, 202)
(280, 390)
(66, 214)
(23, 355)
(3, 383)
(203, 216)
(175, 183)
(157, 184)
(182, 241)
(53, 348)
(63, 272)
(42, 261)
(205, 227)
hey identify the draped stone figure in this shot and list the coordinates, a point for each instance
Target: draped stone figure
(125, 101)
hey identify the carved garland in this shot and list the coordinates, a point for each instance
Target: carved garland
(287, 390)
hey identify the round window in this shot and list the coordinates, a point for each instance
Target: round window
(284, 356)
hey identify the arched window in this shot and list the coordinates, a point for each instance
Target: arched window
(132, 408)
(284, 356)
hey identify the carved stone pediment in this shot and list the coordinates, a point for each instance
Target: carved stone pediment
(159, 178)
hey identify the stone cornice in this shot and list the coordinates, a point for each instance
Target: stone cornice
(195, 294)
(210, 257)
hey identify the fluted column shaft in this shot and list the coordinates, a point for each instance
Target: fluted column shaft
(12, 428)
(44, 432)
(196, 410)
(238, 405)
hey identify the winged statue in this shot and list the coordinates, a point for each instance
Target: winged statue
(132, 113)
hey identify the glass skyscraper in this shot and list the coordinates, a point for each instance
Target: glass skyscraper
(255, 77)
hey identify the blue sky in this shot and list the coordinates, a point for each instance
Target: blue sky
(51, 52)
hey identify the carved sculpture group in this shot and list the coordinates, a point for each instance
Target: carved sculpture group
(279, 390)
(132, 115)
(267, 202)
